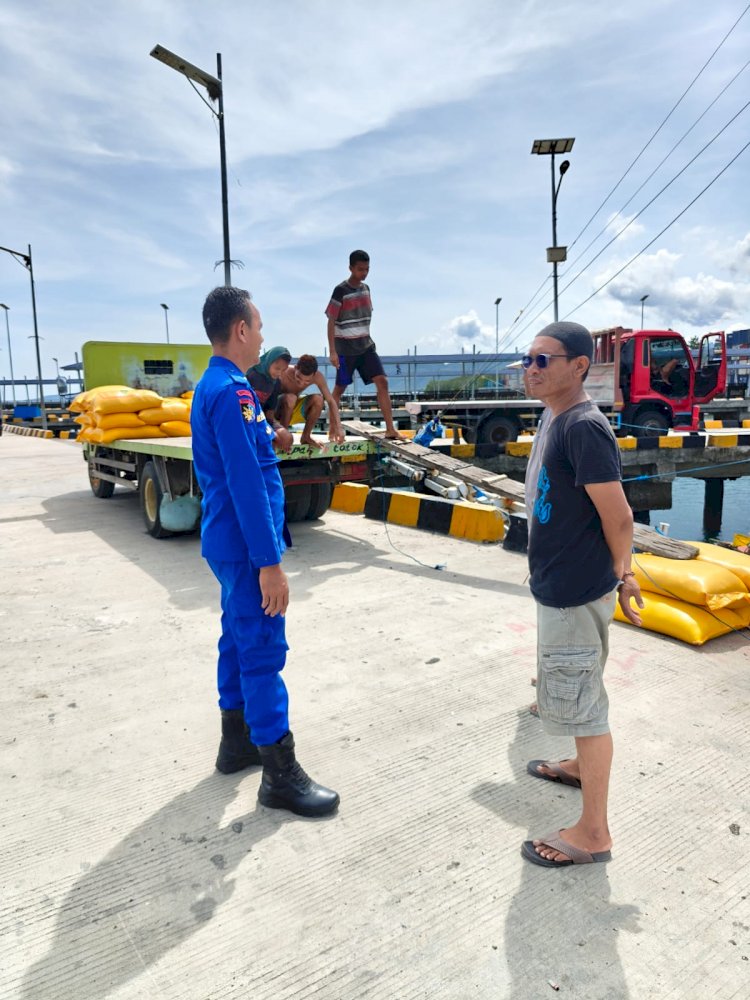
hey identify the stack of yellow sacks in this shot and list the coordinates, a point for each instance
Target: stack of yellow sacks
(694, 599)
(112, 412)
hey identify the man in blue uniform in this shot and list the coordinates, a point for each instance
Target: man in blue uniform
(242, 541)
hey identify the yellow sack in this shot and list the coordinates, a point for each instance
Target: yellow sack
(119, 433)
(684, 621)
(127, 401)
(176, 428)
(187, 395)
(85, 400)
(108, 421)
(85, 434)
(169, 409)
(737, 562)
(691, 580)
(84, 419)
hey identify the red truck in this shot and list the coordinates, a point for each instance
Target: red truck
(646, 381)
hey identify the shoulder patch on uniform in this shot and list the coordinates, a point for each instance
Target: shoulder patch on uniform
(245, 398)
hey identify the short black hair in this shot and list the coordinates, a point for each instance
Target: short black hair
(358, 257)
(222, 307)
(307, 364)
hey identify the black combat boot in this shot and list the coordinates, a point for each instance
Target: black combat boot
(236, 751)
(285, 785)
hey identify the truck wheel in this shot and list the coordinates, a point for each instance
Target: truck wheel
(150, 492)
(498, 430)
(101, 488)
(650, 423)
(298, 498)
(321, 495)
(469, 434)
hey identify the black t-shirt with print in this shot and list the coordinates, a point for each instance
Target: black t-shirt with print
(569, 558)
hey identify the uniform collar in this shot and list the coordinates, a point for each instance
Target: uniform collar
(218, 362)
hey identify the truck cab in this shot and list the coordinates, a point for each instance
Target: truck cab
(662, 385)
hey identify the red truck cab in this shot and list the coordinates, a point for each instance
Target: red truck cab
(658, 383)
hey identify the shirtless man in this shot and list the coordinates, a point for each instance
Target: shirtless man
(293, 407)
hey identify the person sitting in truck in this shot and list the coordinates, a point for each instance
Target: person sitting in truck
(660, 375)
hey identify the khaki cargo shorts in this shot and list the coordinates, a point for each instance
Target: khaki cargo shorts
(572, 648)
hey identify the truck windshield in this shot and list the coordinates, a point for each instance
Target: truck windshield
(669, 366)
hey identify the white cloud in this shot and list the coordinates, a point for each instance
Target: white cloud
(461, 333)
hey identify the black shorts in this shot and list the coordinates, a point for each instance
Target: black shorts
(368, 365)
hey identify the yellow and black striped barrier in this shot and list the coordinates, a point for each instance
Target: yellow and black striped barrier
(473, 521)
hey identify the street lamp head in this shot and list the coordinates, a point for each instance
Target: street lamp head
(498, 301)
(643, 298)
(212, 85)
(3, 306)
(564, 167)
(164, 305)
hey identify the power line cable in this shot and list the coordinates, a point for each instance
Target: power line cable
(661, 233)
(662, 161)
(663, 123)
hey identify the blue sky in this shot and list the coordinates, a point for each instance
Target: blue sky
(402, 128)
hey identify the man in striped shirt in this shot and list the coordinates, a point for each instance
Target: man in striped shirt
(349, 343)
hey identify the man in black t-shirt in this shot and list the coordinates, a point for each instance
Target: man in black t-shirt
(580, 541)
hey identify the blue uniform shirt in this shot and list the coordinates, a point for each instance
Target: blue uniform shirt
(237, 470)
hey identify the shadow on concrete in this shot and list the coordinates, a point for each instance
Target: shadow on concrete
(176, 565)
(157, 887)
(561, 925)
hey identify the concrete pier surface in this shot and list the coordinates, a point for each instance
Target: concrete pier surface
(132, 870)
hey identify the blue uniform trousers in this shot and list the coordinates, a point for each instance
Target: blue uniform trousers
(252, 653)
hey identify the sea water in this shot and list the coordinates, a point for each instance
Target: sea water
(685, 518)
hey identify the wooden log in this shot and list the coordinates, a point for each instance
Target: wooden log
(645, 539)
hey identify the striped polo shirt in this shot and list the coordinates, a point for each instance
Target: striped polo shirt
(351, 310)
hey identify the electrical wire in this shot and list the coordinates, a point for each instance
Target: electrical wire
(661, 163)
(663, 123)
(659, 234)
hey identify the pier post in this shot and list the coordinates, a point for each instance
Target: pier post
(712, 507)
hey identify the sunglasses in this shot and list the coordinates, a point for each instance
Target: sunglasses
(541, 360)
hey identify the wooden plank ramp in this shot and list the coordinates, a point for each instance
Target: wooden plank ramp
(644, 538)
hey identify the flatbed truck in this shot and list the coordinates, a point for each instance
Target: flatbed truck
(623, 381)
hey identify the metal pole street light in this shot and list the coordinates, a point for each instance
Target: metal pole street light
(497, 342)
(57, 366)
(548, 147)
(10, 353)
(27, 262)
(165, 307)
(215, 92)
(643, 299)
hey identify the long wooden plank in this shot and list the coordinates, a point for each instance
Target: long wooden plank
(644, 538)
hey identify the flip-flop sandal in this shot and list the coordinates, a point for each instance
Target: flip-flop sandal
(559, 774)
(555, 842)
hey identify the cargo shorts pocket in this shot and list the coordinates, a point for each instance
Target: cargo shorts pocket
(568, 684)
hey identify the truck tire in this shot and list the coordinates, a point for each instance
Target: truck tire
(321, 495)
(498, 429)
(150, 494)
(101, 488)
(650, 423)
(298, 498)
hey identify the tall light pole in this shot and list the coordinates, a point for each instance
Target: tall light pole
(215, 92)
(643, 299)
(548, 147)
(25, 259)
(10, 353)
(165, 307)
(497, 342)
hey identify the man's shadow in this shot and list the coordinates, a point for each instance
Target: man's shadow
(158, 886)
(561, 925)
